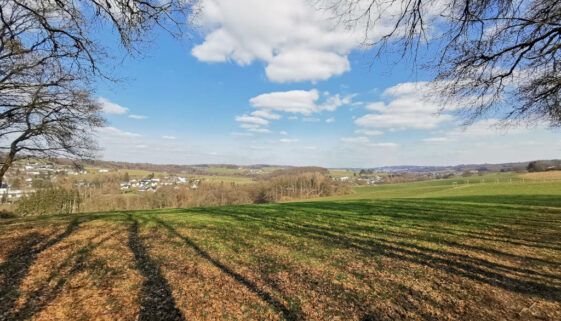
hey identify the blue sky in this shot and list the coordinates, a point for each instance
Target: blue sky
(281, 84)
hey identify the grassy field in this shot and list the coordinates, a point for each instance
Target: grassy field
(338, 173)
(422, 251)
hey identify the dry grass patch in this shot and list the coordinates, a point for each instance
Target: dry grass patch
(540, 176)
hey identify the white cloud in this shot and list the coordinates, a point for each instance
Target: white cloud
(169, 137)
(297, 41)
(282, 132)
(263, 113)
(292, 117)
(111, 108)
(294, 101)
(300, 64)
(116, 133)
(288, 140)
(297, 102)
(358, 140)
(368, 132)
(137, 116)
(333, 102)
(252, 119)
(409, 108)
(330, 120)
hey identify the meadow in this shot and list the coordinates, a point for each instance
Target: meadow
(487, 249)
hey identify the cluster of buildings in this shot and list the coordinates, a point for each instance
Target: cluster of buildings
(36, 169)
(26, 173)
(371, 180)
(152, 184)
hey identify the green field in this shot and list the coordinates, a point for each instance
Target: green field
(435, 250)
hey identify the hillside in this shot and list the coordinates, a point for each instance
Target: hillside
(487, 249)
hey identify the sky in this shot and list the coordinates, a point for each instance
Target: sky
(279, 82)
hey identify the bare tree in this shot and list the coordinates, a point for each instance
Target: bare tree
(49, 55)
(493, 56)
(48, 117)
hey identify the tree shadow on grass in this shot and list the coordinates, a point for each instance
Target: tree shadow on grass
(265, 296)
(40, 298)
(342, 232)
(18, 262)
(157, 302)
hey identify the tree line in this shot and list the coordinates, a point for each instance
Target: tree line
(105, 195)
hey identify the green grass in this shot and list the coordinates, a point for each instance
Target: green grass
(223, 170)
(338, 173)
(430, 250)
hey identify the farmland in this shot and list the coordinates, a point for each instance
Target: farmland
(487, 249)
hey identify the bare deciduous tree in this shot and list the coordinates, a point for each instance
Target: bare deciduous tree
(496, 56)
(49, 55)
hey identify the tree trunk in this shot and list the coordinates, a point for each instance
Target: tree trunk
(7, 163)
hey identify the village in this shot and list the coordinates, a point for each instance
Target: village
(27, 177)
(152, 184)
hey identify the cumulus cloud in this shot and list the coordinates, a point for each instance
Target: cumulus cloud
(293, 101)
(264, 113)
(300, 64)
(252, 119)
(304, 102)
(295, 40)
(408, 108)
(330, 120)
(282, 132)
(288, 140)
(169, 137)
(333, 102)
(111, 108)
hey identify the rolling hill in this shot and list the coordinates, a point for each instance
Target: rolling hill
(487, 249)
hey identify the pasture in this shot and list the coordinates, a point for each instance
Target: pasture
(420, 251)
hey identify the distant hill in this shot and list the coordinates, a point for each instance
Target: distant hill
(246, 170)
(501, 167)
